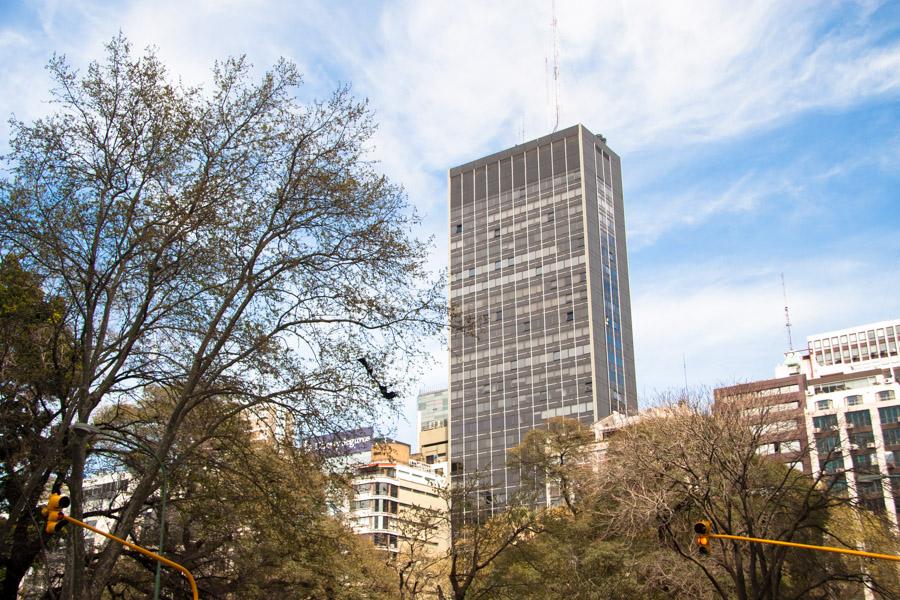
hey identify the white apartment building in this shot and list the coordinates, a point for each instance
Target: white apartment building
(105, 492)
(853, 410)
(844, 387)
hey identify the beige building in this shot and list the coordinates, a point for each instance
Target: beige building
(393, 493)
(432, 425)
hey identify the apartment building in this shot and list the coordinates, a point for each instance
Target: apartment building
(837, 403)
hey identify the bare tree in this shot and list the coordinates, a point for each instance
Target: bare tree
(420, 561)
(560, 455)
(477, 541)
(687, 462)
(229, 243)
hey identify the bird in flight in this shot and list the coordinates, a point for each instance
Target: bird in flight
(387, 394)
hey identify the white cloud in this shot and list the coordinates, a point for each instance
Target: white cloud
(454, 80)
(727, 319)
(689, 207)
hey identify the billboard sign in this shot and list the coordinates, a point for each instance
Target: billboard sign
(343, 443)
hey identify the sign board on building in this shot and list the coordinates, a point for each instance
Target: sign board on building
(343, 443)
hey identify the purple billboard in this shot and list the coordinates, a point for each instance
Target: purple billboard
(343, 443)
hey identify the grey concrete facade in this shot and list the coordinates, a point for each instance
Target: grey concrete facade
(539, 297)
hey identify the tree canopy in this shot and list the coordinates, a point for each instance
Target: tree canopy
(225, 242)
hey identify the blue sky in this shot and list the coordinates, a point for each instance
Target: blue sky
(756, 138)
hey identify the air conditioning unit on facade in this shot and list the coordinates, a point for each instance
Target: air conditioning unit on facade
(870, 445)
(850, 425)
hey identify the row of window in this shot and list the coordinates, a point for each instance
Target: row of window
(377, 488)
(856, 347)
(560, 267)
(376, 505)
(856, 399)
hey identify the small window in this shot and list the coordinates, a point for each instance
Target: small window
(498, 316)
(823, 404)
(886, 395)
(496, 232)
(459, 228)
(570, 316)
(471, 272)
(497, 265)
(854, 400)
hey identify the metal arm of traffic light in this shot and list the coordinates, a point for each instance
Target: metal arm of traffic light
(143, 551)
(744, 538)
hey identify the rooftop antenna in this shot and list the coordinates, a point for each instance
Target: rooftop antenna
(555, 29)
(684, 369)
(787, 315)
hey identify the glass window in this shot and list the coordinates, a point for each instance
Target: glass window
(859, 418)
(827, 444)
(886, 395)
(834, 465)
(459, 228)
(891, 437)
(854, 400)
(862, 440)
(862, 460)
(890, 414)
(823, 404)
(825, 422)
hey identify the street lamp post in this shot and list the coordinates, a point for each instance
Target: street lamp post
(86, 428)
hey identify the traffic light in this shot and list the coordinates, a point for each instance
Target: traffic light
(702, 528)
(53, 512)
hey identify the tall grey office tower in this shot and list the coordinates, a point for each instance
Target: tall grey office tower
(539, 294)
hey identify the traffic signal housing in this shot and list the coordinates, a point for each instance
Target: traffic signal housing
(702, 528)
(54, 512)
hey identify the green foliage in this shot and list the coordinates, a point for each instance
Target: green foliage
(37, 368)
(627, 530)
(221, 243)
(247, 516)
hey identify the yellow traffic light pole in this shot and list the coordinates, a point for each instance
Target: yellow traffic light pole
(744, 538)
(137, 548)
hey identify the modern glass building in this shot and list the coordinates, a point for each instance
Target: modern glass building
(539, 299)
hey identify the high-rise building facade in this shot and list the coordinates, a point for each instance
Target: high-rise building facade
(539, 298)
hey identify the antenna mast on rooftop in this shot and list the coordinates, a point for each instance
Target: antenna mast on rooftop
(787, 315)
(555, 29)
